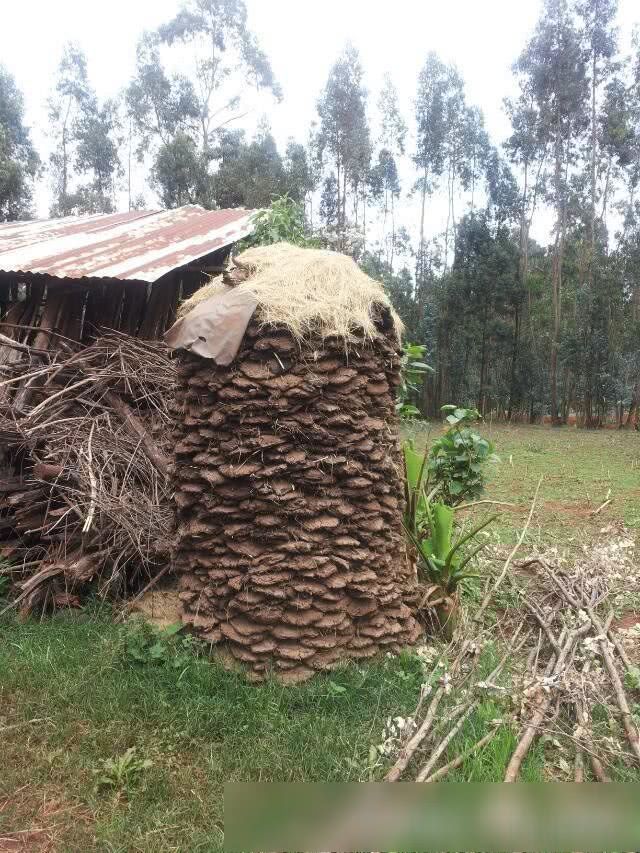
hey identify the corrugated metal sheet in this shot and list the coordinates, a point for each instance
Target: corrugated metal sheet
(134, 246)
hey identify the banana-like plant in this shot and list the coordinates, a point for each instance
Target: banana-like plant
(441, 565)
(439, 559)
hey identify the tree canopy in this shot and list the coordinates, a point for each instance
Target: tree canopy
(409, 183)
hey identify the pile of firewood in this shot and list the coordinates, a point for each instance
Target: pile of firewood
(84, 490)
(564, 670)
(289, 546)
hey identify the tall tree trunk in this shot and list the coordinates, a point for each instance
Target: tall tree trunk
(364, 214)
(420, 269)
(524, 238)
(393, 234)
(556, 278)
(446, 233)
(592, 223)
(514, 360)
(383, 242)
(338, 198)
(483, 363)
(344, 201)
(635, 399)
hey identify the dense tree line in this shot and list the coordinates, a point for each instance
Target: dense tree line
(515, 327)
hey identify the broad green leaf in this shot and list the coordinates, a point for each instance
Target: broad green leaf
(413, 462)
(442, 530)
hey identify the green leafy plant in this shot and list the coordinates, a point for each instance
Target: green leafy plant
(416, 482)
(429, 525)
(122, 772)
(440, 560)
(146, 644)
(457, 459)
(632, 678)
(412, 372)
(282, 221)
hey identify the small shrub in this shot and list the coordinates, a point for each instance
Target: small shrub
(457, 459)
(146, 644)
(632, 678)
(412, 373)
(122, 772)
(282, 221)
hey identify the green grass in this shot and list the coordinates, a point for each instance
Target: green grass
(578, 467)
(76, 701)
(202, 725)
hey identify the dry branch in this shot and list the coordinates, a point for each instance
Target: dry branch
(87, 473)
(409, 749)
(507, 563)
(437, 752)
(460, 759)
(627, 717)
(544, 703)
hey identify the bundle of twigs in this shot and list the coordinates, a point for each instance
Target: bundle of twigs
(565, 659)
(442, 722)
(562, 685)
(85, 492)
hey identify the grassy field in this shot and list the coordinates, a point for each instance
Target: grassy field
(581, 469)
(71, 699)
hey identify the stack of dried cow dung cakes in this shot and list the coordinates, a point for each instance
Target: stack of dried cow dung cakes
(290, 549)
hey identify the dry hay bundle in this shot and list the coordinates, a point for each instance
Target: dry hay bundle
(307, 291)
(288, 497)
(85, 494)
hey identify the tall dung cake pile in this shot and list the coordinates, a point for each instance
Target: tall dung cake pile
(290, 549)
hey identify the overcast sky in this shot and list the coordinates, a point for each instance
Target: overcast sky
(302, 39)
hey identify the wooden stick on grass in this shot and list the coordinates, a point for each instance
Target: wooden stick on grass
(534, 724)
(428, 767)
(408, 750)
(478, 503)
(460, 759)
(627, 717)
(507, 563)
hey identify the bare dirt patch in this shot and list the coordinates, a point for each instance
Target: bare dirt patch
(627, 620)
(37, 821)
(159, 606)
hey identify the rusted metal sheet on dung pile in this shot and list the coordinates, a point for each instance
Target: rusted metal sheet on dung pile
(135, 246)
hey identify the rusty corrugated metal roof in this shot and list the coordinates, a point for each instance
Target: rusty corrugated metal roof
(134, 246)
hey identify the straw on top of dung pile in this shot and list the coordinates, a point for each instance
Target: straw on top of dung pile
(308, 291)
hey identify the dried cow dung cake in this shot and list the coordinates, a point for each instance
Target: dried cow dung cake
(288, 497)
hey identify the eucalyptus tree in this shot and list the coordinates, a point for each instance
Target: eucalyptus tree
(250, 174)
(19, 162)
(476, 152)
(97, 162)
(161, 104)
(226, 56)
(213, 40)
(329, 203)
(71, 99)
(552, 69)
(343, 138)
(299, 175)
(85, 162)
(598, 18)
(527, 148)
(455, 112)
(431, 130)
(391, 141)
(178, 175)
